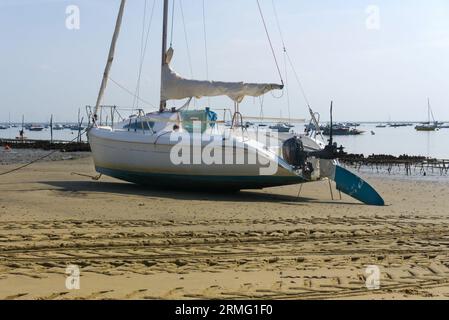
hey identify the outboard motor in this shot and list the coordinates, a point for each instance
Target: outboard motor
(293, 152)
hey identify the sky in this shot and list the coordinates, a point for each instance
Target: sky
(377, 60)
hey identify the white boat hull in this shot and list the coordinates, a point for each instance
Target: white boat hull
(146, 159)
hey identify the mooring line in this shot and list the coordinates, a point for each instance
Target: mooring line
(40, 158)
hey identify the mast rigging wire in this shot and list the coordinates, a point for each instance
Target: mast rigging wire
(269, 41)
(186, 39)
(261, 101)
(172, 23)
(143, 51)
(142, 40)
(189, 56)
(130, 92)
(286, 87)
(284, 49)
(278, 25)
(205, 41)
(205, 44)
(303, 92)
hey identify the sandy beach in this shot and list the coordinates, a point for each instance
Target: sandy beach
(134, 243)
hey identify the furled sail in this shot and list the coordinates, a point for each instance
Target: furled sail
(175, 87)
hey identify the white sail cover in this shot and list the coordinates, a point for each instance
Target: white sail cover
(175, 87)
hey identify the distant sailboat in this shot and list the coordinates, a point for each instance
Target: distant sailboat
(428, 126)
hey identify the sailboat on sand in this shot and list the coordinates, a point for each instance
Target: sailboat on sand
(153, 148)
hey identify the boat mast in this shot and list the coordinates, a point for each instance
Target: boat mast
(110, 59)
(163, 103)
(431, 113)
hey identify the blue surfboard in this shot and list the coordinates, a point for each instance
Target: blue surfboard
(354, 186)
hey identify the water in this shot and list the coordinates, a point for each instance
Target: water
(394, 141)
(63, 135)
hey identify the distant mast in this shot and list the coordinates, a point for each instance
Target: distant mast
(163, 103)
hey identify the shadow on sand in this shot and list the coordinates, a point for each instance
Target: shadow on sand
(183, 194)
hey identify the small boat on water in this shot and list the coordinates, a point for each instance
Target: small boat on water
(381, 125)
(280, 127)
(3, 127)
(341, 130)
(76, 127)
(397, 125)
(428, 126)
(58, 127)
(35, 127)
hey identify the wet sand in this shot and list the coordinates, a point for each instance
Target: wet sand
(134, 243)
(23, 156)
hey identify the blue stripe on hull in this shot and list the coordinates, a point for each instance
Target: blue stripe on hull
(200, 181)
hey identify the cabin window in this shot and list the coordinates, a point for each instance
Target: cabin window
(139, 125)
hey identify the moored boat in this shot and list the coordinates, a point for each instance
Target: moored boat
(36, 127)
(280, 127)
(429, 125)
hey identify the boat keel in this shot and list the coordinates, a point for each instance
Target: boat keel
(357, 188)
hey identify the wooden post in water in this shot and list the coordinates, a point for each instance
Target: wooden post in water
(22, 132)
(79, 130)
(51, 129)
(79, 126)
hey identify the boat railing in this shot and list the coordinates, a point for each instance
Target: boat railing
(232, 123)
(114, 114)
(109, 117)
